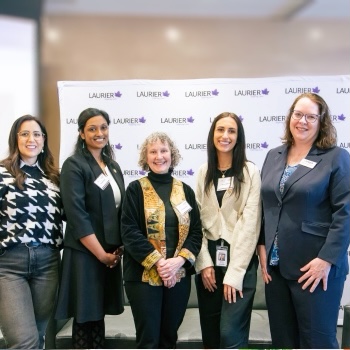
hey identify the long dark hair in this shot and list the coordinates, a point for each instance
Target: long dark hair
(45, 159)
(238, 155)
(80, 148)
(327, 134)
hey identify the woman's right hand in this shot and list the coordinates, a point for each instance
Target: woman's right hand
(91, 242)
(263, 264)
(110, 260)
(167, 269)
(208, 278)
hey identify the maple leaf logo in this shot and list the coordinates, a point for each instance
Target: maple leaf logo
(341, 117)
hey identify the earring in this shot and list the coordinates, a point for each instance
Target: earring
(42, 151)
(83, 143)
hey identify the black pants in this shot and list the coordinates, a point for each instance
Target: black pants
(300, 319)
(226, 325)
(158, 312)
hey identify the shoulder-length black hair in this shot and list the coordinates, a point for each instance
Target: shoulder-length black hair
(239, 158)
(45, 158)
(107, 151)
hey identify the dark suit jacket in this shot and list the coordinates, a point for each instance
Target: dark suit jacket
(88, 208)
(312, 217)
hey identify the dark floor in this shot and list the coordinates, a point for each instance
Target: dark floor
(339, 337)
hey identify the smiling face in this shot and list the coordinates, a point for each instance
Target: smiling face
(225, 134)
(95, 134)
(305, 132)
(159, 157)
(30, 141)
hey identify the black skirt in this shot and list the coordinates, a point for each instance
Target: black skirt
(88, 290)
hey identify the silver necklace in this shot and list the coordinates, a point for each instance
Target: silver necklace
(223, 172)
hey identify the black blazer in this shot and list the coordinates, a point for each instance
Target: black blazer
(88, 208)
(312, 217)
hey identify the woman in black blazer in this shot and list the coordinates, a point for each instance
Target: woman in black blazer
(92, 189)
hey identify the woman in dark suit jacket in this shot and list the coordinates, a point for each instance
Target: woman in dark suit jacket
(305, 236)
(92, 189)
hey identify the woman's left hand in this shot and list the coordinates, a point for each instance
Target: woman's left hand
(170, 282)
(315, 271)
(230, 293)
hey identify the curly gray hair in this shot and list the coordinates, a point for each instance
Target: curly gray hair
(163, 138)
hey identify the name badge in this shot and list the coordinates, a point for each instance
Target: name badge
(224, 183)
(221, 256)
(183, 207)
(102, 181)
(308, 163)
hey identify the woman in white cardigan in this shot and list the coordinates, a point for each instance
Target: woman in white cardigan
(228, 195)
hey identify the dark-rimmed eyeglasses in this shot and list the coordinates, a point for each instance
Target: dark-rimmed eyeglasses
(311, 118)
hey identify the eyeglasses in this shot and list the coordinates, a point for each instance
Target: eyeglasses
(311, 118)
(36, 134)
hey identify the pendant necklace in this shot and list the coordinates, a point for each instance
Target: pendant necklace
(225, 168)
(223, 172)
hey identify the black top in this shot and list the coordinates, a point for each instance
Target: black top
(218, 174)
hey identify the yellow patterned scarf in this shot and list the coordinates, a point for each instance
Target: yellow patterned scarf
(155, 224)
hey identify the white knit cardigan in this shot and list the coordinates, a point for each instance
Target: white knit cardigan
(237, 222)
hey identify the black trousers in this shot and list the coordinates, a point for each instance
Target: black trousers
(300, 319)
(226, 325)
(158, 312)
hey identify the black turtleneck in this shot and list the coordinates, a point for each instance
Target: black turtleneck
(162, 183)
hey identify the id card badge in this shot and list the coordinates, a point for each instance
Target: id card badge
(221, 256)
(224, 183)
(183, 208)
(102, 181)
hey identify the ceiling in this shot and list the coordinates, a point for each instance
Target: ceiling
(239, 9)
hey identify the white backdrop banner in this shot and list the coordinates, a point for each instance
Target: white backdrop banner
(185, 109)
